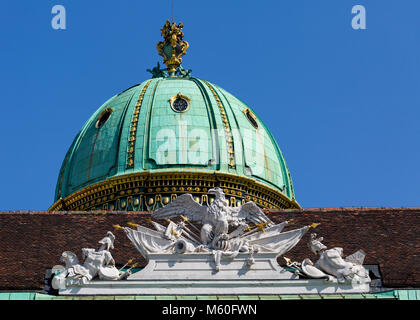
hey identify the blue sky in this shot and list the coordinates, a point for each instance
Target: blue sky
(343, 104)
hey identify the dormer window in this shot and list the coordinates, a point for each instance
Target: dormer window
(103, 117)
(251, 117)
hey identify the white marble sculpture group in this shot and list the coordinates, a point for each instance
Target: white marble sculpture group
(97, 263)
(212, 249)
(331, 265)
(214, 236)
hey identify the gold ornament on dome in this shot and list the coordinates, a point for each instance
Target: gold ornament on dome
(173, 47)
(179, 107)
(146, 198)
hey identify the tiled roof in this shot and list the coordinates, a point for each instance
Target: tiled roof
(32, 242)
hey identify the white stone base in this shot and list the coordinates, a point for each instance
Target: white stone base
(201, 266)
(194, 274)
(232, 287)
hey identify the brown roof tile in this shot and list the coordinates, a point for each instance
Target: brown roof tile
(32, 241)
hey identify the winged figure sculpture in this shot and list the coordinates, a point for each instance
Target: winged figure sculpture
(215, 218)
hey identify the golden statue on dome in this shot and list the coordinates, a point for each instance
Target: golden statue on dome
(173, 47)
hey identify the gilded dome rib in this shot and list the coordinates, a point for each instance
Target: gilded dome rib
(133, 128)
(228, 129)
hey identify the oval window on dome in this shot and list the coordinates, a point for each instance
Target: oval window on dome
(180, 103)
(103, 117)
(251, 118)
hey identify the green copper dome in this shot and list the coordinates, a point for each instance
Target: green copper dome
(168, 136)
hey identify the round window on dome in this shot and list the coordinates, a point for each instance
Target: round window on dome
(103, 117)
(251, 118)
(180, 103)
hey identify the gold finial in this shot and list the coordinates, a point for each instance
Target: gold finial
(132, 224)
(173, 47)
(118, 227)
(313, 225)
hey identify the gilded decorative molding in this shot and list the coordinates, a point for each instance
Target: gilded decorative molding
(147, 191)
(228, 132)
(133, 128)
(177, 96)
